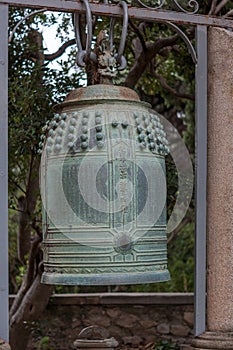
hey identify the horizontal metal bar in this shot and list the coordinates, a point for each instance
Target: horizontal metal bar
(116, 11)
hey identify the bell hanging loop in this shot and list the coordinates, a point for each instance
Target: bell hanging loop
(121, 60)
(84, 55)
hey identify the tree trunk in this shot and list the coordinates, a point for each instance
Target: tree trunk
(32, 297)
(26, 206)
(32, 305)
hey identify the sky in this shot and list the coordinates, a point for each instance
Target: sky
(52, 43)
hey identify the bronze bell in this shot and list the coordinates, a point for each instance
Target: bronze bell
(103, 186)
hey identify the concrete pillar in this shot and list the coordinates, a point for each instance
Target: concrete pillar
(219, 334)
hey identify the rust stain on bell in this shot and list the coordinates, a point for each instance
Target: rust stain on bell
(103, 184)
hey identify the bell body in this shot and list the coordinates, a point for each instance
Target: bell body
(103, 187)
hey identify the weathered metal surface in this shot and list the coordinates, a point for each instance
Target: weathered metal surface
(4, 173)
(104, 190)
(116, 11)
(94, 95)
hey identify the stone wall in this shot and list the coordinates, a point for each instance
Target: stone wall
(132, 318)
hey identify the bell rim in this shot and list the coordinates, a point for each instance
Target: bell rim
(105, 278)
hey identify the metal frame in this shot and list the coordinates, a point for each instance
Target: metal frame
(4, 327)
(201, 180)
(201, 22)
(116, 11)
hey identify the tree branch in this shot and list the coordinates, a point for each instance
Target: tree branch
(60, 51)
(139, 34)
(213, 7)
(30, 173)
(24, 230)
(33, 304)
(145, 57)
(220, 6)
(37, 229)
(22, 20)
(16, 209)
(17, 185)
(228, 14)
(26, 207)
(165, 85)
(28, 278)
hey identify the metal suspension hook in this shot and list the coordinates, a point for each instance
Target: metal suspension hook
(121, 61)
(124, 30)
(120, 58)
(111, 32)
(76, 24)
(84, 55)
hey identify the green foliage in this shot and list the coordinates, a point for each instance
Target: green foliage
(166, 345)
(172, 184)
(34, 89)
(44, 344)
(19, 277)
(181, 260)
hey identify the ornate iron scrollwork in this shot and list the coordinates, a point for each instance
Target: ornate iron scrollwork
(158, 6)
(191, 7)
(185, 38)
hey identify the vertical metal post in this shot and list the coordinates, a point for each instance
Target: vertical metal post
(4, 318)
(201, 180)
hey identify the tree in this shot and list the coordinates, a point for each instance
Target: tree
(159, 68)
(31, 98)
